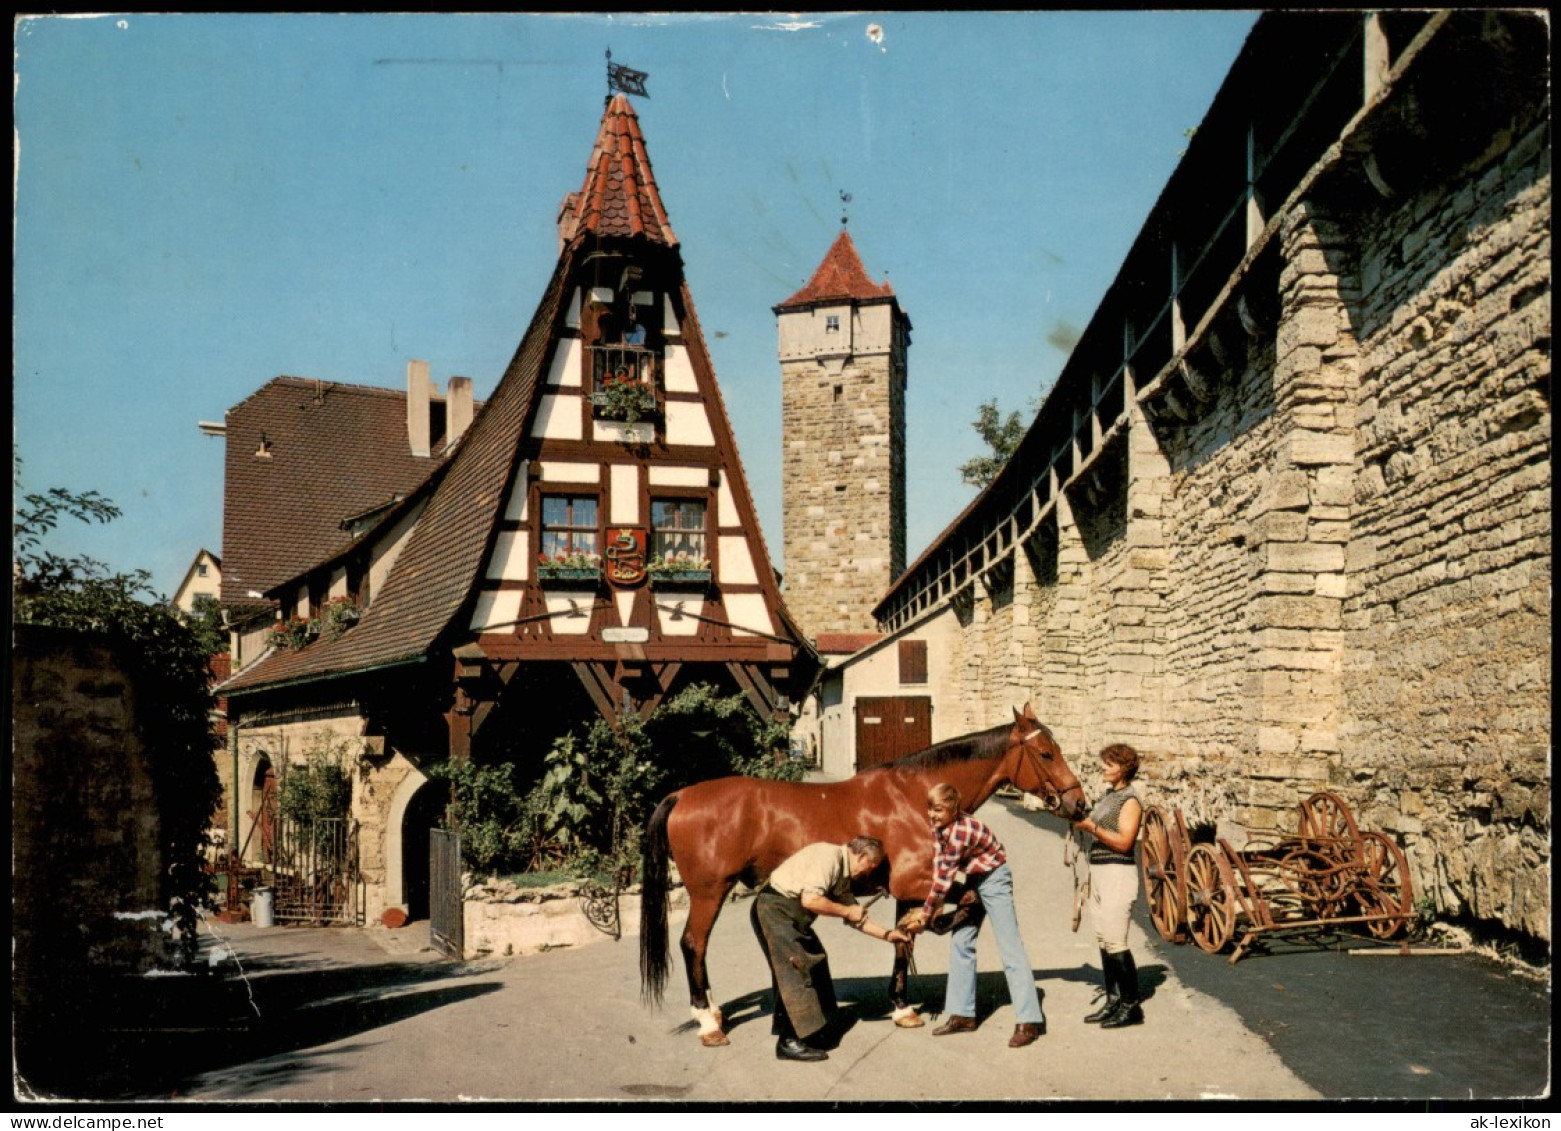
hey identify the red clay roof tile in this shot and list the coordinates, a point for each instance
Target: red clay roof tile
(439, 565)
(840, 276)
(619, 197)
(845, 643)
(332, 450)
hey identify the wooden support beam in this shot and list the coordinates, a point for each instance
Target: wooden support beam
(480, 715)
(603, 692)
(755, 686)
(663, 674)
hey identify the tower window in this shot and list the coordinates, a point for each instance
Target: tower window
(831, 323)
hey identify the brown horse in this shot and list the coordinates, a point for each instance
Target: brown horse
(730, 829)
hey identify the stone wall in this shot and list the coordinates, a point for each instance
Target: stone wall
(378, 774)
(1447, 616)
(502, 919)
(1323, 560)
(86, 852)
(843, 475)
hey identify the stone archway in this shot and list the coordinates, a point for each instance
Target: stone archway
(417, 806)
(251, 841)
(424, 813)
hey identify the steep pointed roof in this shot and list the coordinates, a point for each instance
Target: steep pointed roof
(435, 572)
(840, 276)
(619, 197)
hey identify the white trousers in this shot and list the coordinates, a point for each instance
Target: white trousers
(1113, 889)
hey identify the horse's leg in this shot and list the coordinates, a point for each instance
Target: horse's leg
(905, 1015)
(704, 907)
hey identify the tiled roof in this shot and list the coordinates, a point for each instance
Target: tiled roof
(439, 565)
(844, 643)
(840, 276)
(332, 450)
(619, 197)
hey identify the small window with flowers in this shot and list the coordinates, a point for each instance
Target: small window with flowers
(568, 547)
(679, 546)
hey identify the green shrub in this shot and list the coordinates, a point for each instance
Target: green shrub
(585, 812)
(320, 787)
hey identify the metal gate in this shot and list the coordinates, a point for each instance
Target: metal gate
(316, 876)
(446, 909)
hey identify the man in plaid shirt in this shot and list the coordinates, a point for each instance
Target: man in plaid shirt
(966, 845)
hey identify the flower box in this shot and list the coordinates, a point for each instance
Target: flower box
(581, 577)
(629, 403)
(680, 579)
(291, 634)
(338, 615)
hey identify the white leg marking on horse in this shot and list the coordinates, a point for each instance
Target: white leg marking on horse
(709, 1020)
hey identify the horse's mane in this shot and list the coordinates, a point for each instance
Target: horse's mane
(965, 748)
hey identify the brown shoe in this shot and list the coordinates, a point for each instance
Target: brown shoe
(1026, 1034)
(955, 1024)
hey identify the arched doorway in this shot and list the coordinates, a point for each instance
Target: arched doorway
(258, 832)
(423, 812)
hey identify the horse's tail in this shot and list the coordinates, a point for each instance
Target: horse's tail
(655, 958)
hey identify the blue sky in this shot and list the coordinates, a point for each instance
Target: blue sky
(207, 201)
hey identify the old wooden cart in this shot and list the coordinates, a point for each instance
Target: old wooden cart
(1329, 874)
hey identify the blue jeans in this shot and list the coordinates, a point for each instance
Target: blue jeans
(997, 896)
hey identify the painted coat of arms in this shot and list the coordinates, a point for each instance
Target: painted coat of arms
(626, 556)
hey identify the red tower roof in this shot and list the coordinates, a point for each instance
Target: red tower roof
(619, 197)
(840, 276)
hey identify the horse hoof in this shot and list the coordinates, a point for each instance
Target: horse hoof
(713, 1040)
(910, 1021)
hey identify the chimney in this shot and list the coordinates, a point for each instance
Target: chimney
(458, 414)
(566, 220)
(418, 396)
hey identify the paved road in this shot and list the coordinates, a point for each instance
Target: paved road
(1355, 1020)
(363, 1016)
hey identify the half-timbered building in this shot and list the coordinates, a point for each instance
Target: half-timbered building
(589, 549)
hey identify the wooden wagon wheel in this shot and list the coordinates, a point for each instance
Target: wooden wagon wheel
(1318, 881)
(1211, 898)
(1325, 816)
(1384, 887)
(1162, 868)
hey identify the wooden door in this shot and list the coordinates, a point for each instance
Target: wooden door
(890, 727)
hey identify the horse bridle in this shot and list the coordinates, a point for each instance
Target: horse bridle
(1051, 798)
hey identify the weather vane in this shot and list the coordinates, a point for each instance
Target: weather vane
(626, 79)
(845, 199)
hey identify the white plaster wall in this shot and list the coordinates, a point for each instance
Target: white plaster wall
(558, 418)
(688, 424)
(624, 506)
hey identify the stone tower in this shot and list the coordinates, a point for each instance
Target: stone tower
(843, 341)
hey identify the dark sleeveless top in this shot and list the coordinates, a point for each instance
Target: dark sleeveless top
(1107, 811)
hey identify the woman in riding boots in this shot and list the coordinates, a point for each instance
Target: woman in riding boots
(1113, 883)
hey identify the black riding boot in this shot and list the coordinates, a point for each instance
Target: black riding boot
(1128, 1010)
(1108, 974)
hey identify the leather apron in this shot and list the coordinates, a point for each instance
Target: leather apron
(799, 968)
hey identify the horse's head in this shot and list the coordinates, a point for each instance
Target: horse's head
(1039, 767)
